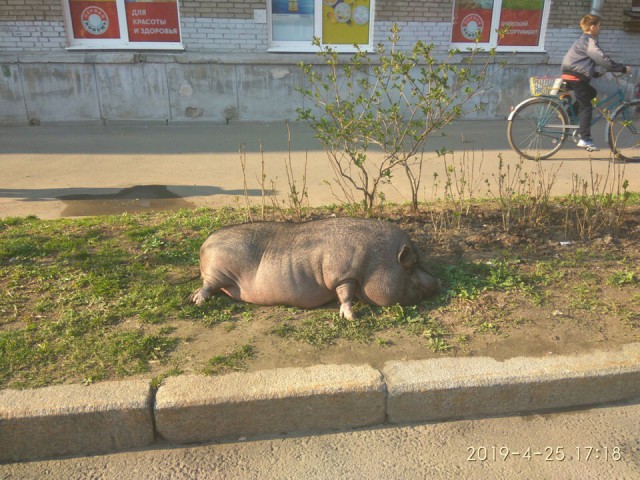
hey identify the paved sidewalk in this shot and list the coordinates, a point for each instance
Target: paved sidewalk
(55, 171)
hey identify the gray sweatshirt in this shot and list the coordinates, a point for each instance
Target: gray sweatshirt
(584, 55)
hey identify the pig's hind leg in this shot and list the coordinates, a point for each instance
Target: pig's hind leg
(346, 292)
(201, 295)
(211, 284)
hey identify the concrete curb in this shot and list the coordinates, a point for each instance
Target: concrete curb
(195, 409)
(115, 416)
(65, 420)
(454, 388)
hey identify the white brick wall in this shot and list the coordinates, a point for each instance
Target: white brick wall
(437, 33)
(249, 36)
(224, 35)
(32, 36)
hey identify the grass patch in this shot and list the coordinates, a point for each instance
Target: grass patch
(91, 299)
(236, 360)
(325, 328)
(71, 284)
(77, 348)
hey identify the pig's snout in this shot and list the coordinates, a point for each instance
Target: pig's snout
(424, 286)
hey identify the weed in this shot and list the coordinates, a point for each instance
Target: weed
(157, 381)
(622, 278)
(597, 203)
(488, 327)
(439, 345)
(383, 342)
(284, 331)
(523, 197)
(585, 297)
(219, 309)
(468, 280)
(235, 360)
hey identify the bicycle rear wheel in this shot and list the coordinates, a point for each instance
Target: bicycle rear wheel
(624, 132)
(536, 128)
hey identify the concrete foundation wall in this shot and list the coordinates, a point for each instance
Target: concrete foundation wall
(103, 88)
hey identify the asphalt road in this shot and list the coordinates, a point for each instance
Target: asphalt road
(599, 443)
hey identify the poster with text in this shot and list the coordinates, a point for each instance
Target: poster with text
(472, 21)
(523, 21)
(153, 21)
(345, 22)
(94, 19)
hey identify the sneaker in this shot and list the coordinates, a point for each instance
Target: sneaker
(588, 145)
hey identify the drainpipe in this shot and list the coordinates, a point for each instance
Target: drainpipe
(596, 7)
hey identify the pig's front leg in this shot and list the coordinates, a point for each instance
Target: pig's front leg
(346, 291)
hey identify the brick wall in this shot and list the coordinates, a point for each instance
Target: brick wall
(30, 10)
(405, 11)
(229, 26)
(32, 36)
(567, 13)
(436, 33)
(224, 35)
(238, 9)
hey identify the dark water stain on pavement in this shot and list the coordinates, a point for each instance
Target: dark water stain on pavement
(141, 198)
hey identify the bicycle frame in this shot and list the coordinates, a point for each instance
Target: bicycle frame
(609, 104)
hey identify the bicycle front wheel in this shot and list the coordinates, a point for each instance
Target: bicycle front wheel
(536, 128)
(624, 132)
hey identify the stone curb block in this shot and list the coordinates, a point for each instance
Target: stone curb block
(69, 419)
(195, 409)
(115, 416)
(454, 388)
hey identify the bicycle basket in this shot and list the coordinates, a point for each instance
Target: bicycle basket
(545, 85)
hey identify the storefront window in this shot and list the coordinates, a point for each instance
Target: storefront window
(292, 20)
(338, 23)
(123, 24)
(521, 22)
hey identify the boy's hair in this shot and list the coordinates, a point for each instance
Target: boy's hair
(588, 21)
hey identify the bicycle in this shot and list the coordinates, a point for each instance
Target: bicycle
(538, 127)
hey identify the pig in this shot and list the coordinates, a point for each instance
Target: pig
(309, 264)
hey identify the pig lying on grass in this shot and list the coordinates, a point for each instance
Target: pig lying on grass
(309, 264)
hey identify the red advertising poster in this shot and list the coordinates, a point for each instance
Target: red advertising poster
(469, 24)
(153, 21)
(94, 19)
(523, 27)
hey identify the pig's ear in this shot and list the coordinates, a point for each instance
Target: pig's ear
(407, 256)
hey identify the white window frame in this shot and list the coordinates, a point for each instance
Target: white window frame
(304, 46)
(495, 23)
(121, 43)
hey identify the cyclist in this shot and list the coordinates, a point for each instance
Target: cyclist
(579, 67)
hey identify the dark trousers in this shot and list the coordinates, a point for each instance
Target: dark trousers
(584, 94)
